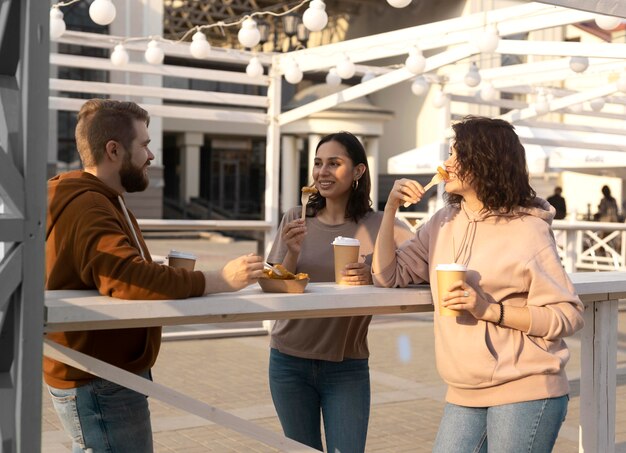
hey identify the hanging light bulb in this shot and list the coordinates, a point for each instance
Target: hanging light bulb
(399, 3)
(472, 78)
(440, 99)
(119, 56)
(488, 41)
(597, 104)
(420, 86)
(621, 82)
(154, 54)
(293, 74)
(102, 12)
(315, 17)
(200, 47)
(415, 62)
(345, 68)
(579, 64)
(369, 75)
(607, 22)
(254, 68)
(249, 35)
(542, 106)
(488, 93)
(332, 78)
(57, 24)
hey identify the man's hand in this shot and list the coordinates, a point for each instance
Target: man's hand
(235, 275)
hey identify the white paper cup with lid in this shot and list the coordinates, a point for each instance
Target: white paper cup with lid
(346, 251)
(447, 274)
(182, 260)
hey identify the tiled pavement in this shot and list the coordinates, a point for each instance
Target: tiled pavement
(407, 393)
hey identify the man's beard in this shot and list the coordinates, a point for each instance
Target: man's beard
(132, 178)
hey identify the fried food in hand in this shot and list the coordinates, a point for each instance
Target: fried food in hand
(309, 189)
(443, 173)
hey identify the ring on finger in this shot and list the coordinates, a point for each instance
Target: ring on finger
(465, 293)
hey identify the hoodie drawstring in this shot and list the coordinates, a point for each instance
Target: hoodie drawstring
(130, 224)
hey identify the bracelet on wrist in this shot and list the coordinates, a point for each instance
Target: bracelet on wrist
(501, 318)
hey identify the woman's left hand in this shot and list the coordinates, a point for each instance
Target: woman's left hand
(357, 274)
(462, 296)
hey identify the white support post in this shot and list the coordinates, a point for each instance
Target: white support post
(272, 155)
(289, 173)
(598, 357)
(571, 254)
(372, 150)
(190, 143)
(313, 141)
(444, 146)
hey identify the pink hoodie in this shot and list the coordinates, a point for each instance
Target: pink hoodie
(512, 258)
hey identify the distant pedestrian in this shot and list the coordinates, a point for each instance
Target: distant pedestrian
(558, 202)
(607, 209)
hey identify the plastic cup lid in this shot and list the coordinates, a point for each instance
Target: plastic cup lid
(451, 267)
(340, 240)
(184, 255)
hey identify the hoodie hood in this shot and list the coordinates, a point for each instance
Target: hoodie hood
(66, 187)
(539, 208)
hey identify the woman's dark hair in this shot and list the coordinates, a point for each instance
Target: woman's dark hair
(491, 158)
(359, 202)
(606, 191)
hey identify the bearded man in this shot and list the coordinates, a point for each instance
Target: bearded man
(94, 242)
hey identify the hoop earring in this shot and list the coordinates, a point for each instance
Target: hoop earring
(355, 184)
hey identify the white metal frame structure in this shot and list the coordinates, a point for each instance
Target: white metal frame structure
(23, 139)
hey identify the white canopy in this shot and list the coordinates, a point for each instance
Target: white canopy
(610, 7)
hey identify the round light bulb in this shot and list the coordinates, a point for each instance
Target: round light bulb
(488, 41)
(607, 22)
(254, 68)
(621, 82)
(579, 64)
(440, 99)
(597, 104)
(472, 78)
(119, 56)
(315, 17)
(399, 3)
(542, 106)
(415, 62)
(332, 78)
(102, 12)
(57, 24)
(154, 54)
(293, 74)
(488, 93)
(345, 68)
(200, 47)
(420, 86)
(249, 35)
(369, 75)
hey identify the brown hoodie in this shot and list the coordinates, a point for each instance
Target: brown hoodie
(90, 245)
(511, 258)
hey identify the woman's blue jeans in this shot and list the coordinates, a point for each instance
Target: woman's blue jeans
(302, 388)
(529, 427)
(103, 417)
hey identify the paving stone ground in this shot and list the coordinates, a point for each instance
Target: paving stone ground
(231, 373)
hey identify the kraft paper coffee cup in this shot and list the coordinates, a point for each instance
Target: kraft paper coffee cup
(181, 259)
(346, 251)
(447, 274)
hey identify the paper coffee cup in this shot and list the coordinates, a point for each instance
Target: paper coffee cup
(447, 274)
(346, 252)
(181, 259)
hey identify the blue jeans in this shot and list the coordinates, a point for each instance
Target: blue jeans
(103, 417)
(301, 388)
(529, 427)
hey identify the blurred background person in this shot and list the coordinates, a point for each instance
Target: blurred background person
(558, 202)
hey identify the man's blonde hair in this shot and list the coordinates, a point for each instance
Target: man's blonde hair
(101, 120)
